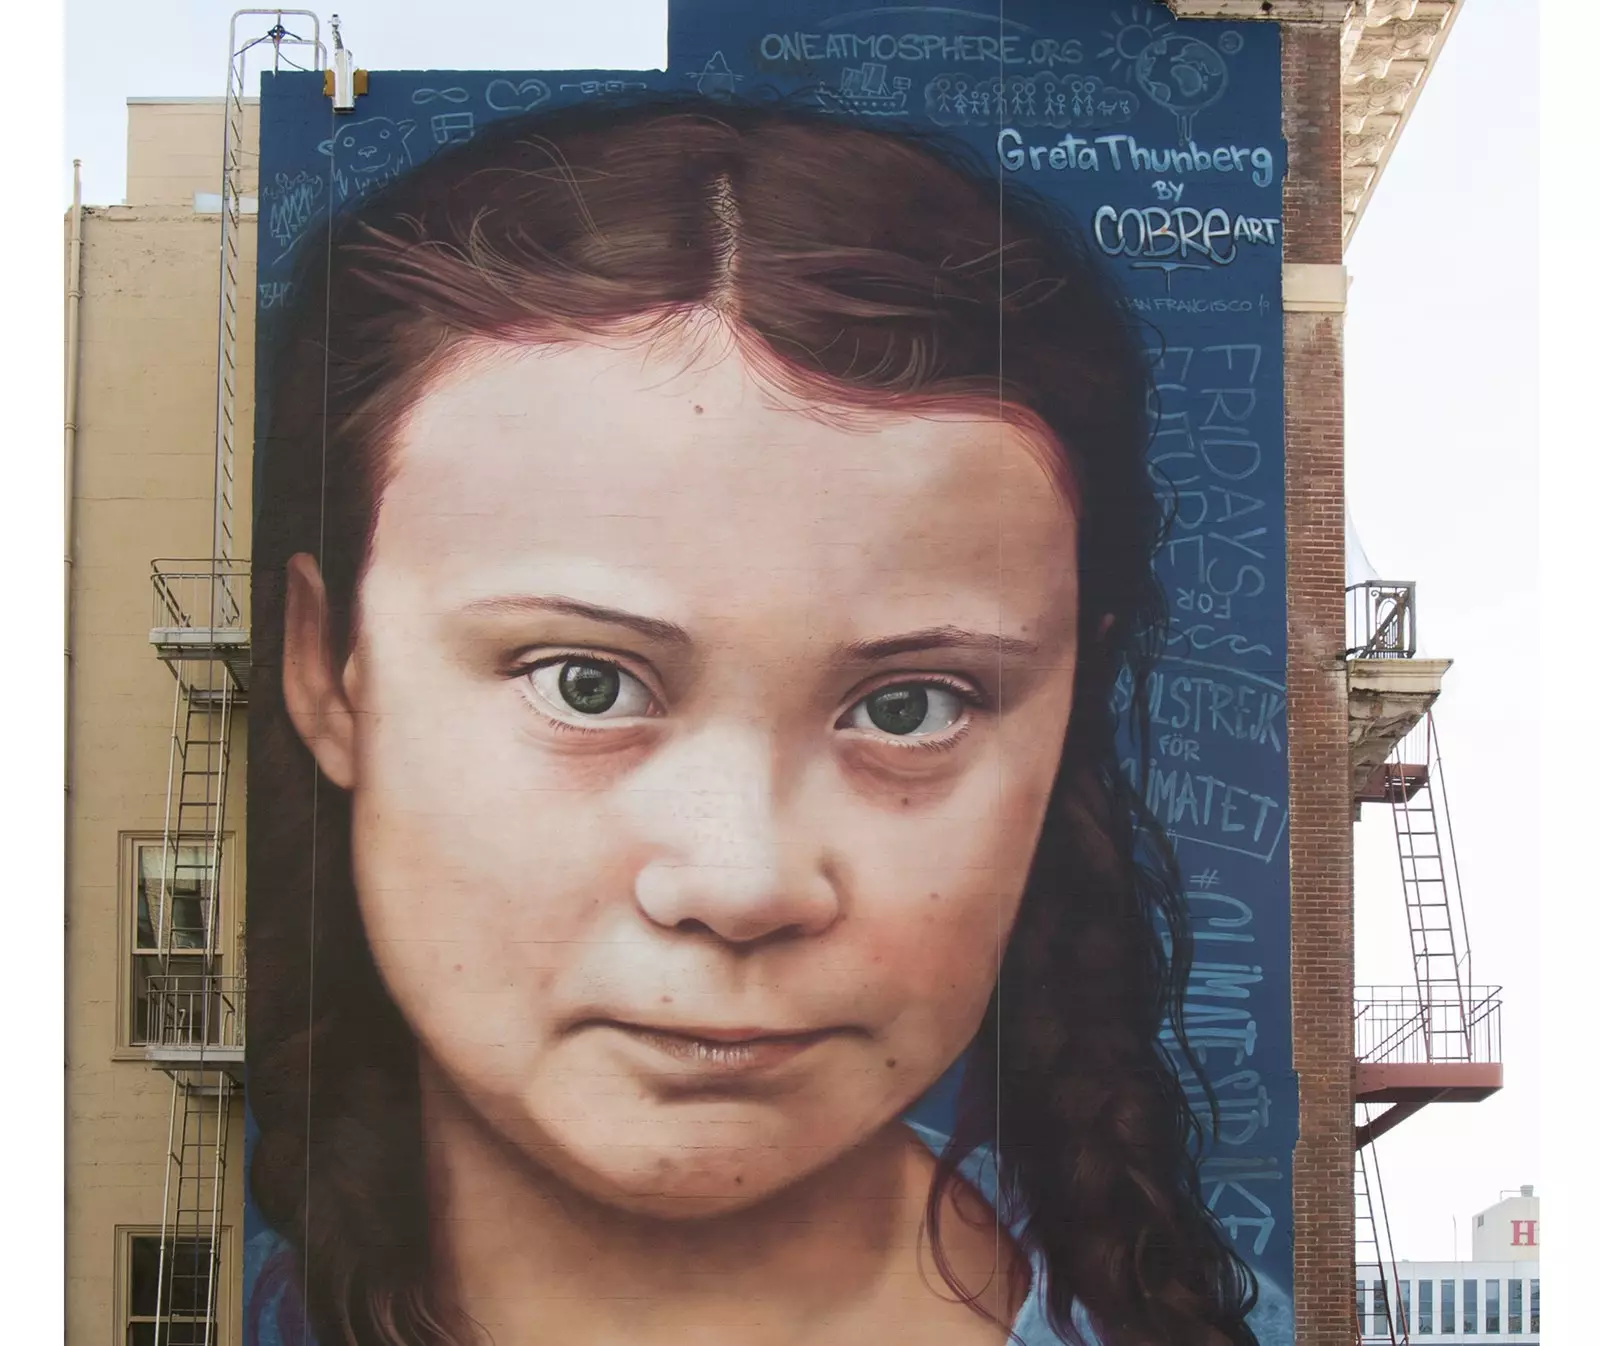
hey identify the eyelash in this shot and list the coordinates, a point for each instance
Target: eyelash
(970, 696)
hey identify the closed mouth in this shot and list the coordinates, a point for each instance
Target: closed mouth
(722, 1051)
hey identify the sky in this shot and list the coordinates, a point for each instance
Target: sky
(1441, 418)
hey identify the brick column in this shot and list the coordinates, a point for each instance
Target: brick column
(1322, 944)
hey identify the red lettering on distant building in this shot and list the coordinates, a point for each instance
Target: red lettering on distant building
(1522, 1234)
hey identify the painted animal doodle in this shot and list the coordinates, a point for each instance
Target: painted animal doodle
(368, 153)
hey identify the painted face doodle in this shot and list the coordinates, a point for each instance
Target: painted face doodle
(367, 154)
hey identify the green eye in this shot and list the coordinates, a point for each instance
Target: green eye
(898, 710)
(574, 688)
(907, 710)
(590, 688)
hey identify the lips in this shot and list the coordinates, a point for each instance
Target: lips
(722, 1051)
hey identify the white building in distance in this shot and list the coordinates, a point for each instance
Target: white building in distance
(1493, 1297)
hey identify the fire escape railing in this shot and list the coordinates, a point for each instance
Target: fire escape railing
(1395, 1025)
(1381, 619)
(195, 1009)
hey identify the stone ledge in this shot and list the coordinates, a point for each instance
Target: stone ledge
(1314, 287)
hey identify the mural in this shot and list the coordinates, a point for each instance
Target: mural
(768, 788)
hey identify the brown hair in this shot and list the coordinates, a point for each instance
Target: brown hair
(868, 269)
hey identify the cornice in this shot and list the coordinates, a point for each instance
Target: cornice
(1387, 50)
(1282, 11)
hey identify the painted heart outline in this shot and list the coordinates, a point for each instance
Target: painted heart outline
(505, 96)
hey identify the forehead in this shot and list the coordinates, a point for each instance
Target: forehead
(677, 459)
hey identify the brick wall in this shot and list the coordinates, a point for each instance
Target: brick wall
(1322, 955)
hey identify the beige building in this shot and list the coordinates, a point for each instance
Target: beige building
(145, 455)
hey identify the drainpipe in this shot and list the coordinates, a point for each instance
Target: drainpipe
(69, 454)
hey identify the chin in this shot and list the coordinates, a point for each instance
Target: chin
(686, 1184)
(685, 1173)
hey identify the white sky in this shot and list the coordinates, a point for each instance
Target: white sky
(1441, 414)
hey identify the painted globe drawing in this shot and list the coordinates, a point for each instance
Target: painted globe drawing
(1182, 75)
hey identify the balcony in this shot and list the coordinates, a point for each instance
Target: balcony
(1390, 688)
(195, 1021)
(1411, 1052)
(200, 624)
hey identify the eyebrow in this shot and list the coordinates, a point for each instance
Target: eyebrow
(856, 651)
(653, 627)
(937, 638)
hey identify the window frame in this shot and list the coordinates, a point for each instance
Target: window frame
(1425, 1307)
(1514, 1307)
(226, 933)
(122, 1316)
(1469, 1307)
(1447, 1307)
(1491, 1306)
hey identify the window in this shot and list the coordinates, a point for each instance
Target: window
(1403, 1324)
(1514, 1306)
(1533, 1305)
(1380, 1308)
(1469, 1307)
(1447, 1307)
(186, 910)
(1491, 1306)
(1424, 1307)
(184, 1284)
(1361, 1307)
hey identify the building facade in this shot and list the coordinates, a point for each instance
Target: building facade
(1450, 1302)
(156, 1123)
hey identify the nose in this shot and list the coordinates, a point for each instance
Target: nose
(730, 857)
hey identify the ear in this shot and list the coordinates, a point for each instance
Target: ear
(405, 128)
(314, 682)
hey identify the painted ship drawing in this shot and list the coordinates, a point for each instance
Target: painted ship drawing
(866, 91)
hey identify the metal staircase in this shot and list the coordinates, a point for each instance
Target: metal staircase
(1441, 954)
(1380, 1319)
(1437, 1039)
(200, 628)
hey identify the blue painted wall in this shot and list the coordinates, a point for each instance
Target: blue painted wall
(1162, 139)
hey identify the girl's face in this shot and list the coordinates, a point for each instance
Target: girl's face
(699, 747)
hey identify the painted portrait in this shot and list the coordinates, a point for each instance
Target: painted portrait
(705, 878)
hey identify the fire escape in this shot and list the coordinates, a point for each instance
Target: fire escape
(1436, 1040)
(193, 1017)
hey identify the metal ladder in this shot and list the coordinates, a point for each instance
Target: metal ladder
(1440, 953)
(1372, 1237)
(187, 1012)
(210, 676)
(190, 1270)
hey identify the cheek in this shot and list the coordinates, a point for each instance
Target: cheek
(474, 868)
(936, 887)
